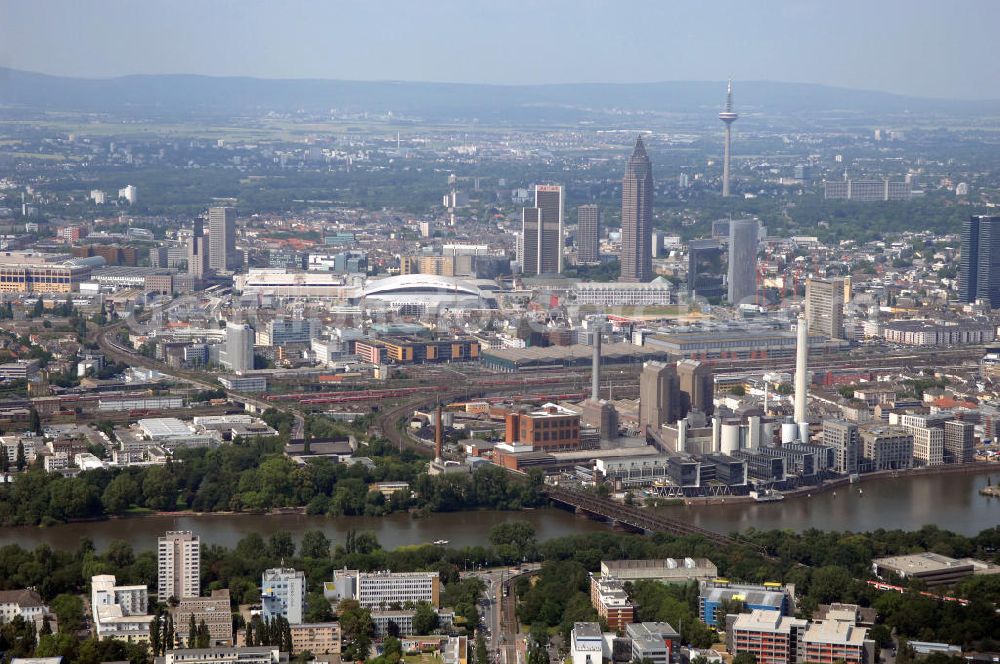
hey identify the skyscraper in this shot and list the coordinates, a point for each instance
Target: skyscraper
(527, 244)
(659, 395)
(197, 254)
(728, 117)
(549, 201)
(743, 242)
(588, 234)
(979, 268)
(239, 347)
(637, 217)
(178, 562)
(222, 238)
(825, 306)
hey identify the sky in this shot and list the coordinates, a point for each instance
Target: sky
(924, 48)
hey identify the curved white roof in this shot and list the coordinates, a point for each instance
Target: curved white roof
(421, 283)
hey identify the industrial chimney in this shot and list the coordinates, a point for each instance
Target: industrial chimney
(438, 435)
(801, 370)
(595, 370)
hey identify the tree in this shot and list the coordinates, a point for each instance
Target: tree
(280, 546)
(314, 545)
(69, 612)
(192, 633)
(904, 652)
(20, 462)
(745, 658)
(168, 634)
(35, 422)
(318, 608)
(155, 638)
(4, 461)
(204, 639)
(425, 619)
(392, 629)
(357, 630)
(392, 650)
(482, 655)
(121, 493)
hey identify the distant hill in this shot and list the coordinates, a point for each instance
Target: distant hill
(195, 95)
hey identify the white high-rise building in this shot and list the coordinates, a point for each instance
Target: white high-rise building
(222, 238)
(129, 193)
(178, 565)
(282, 593)
(239, 347)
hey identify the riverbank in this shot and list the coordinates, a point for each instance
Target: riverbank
(975, 468)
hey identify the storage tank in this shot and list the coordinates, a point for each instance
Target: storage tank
(730, 438)
(789, 432)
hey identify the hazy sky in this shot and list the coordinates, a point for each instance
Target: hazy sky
(920, 47)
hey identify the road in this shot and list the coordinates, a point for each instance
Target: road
(499, 611)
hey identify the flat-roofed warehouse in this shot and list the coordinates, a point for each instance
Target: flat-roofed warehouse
(932, 568)
(749, 344)
(664, 570)
(577, 355)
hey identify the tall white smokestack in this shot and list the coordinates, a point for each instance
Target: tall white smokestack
(595, 370)
(801, 370)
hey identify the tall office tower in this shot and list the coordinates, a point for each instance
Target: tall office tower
(283, 593)
(527, 244)
(705, 276)
(549, 201)
(744, 239)
(825, 306)
(178, 565)
(979, 269)
(959, 441)
(222, 238)
(197, 254)
(843, 437)
(659, 395)
(637, 217)
(588, 234)
(728, 117)
(239, 347)
(697, 387)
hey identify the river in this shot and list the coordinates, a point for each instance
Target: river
(950, 501)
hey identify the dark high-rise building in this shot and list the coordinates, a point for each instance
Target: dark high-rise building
(637, 217)
(743, 243)
(979, 269)
(222, 239)
(198, 265)
(588, 234)
(549, 201)
(705, 271)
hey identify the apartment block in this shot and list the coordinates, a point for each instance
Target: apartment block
(608, 596)
(178, 565)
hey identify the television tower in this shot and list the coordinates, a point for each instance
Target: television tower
(728, 117)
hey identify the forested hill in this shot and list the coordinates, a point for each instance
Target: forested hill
(185, 94)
